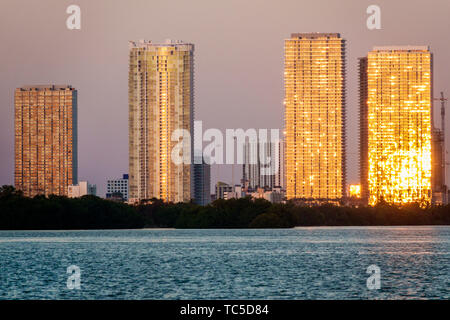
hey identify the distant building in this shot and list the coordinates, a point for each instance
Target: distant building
(202, 183)
(116, 188)
(45, 143)
(280, 174)
(276, 195)
(355, 190)
(263, 165)
(250, 169)
(81, 189)
(221, 189)
(438, 185)
(235, 193)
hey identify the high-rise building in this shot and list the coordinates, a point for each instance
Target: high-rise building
(45, 139)
(396, 124)
(117, 188)
(202, 182)
(363, 132)
(250, 168)
(438, 185)
(314, 78)
(161, 84)
(263, 165)
(280, 175)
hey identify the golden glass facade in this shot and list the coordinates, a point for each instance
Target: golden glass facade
(355, 191)
(398, 87)
(45, 139)
(314, 79)
(160, 101)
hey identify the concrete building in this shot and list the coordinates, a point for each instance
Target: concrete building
(81, 189)
(314, 80)
(45, 124)
(439, 187)
(263, 165)
(280, 175)
(161, 93)
(396, 124)
(235, 192)
(438, 152)
(202, 183)
(117, 188)
(221, 189)
(276, 195)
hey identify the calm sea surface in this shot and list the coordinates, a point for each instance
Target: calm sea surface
(303, 263)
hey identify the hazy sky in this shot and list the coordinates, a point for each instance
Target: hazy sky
(238, 62)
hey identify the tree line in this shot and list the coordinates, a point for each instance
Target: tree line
(18, 212)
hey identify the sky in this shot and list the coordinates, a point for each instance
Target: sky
(238, 62)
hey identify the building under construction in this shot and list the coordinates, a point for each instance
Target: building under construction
(439, 188)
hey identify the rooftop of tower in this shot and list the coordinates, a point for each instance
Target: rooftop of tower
(315, 35)
(46, 87)
(401, 48)
(149, 44)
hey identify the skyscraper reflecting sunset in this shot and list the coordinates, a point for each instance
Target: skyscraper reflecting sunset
(396, 122)
(315, 115)
(45, 139)
(160, 101)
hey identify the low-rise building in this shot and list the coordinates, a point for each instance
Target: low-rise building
(117, 187)
(274, 195)
(235, 193)
(83, 188)
(221, 189)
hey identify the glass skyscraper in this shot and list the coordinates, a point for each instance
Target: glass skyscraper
(160, 101)
(314, 80)
(396, 124)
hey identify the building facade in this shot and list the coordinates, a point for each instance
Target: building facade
(314, 79)
(280, 174)
(202, 183)
(396, 117)
(118, 188)
(161, 84)
(45, 121)
(222, 189)
(83, 188)
(363, 132)
(263, 165)
(438, 152)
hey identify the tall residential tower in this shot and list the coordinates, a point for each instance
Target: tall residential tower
(263, 165)
(314, 79)
(45, 121)
(160, 88)
(396, 124)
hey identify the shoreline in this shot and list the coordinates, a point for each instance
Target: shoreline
(178, 229)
